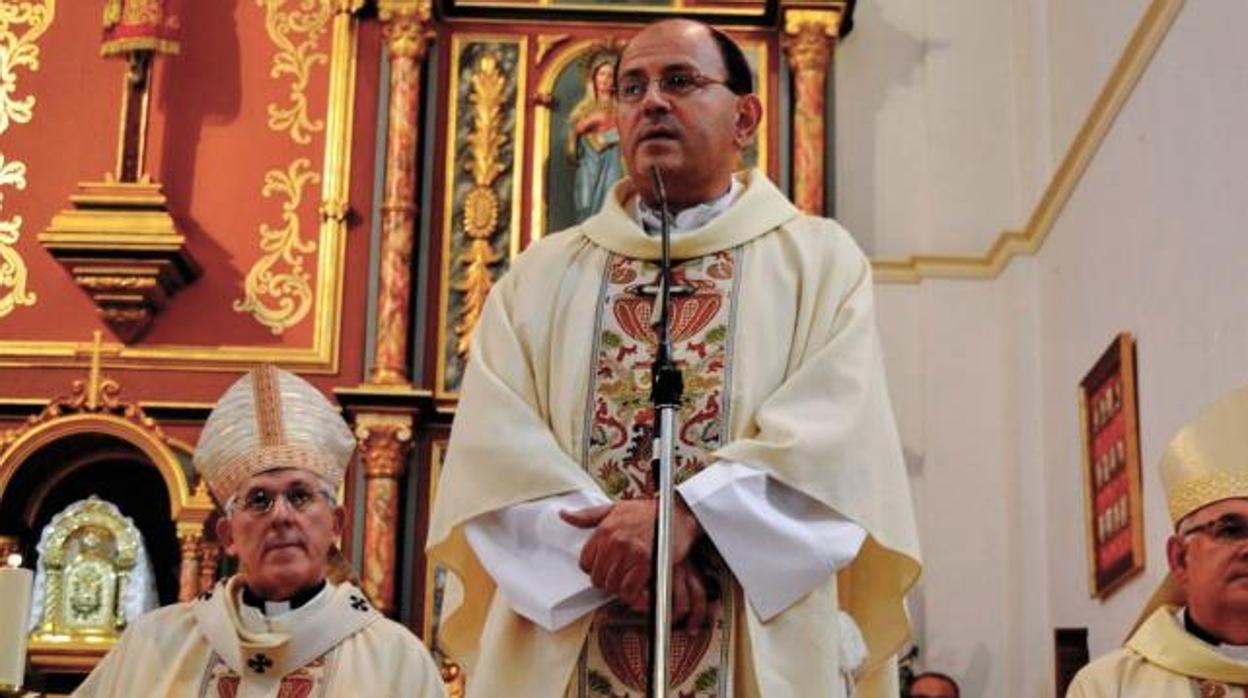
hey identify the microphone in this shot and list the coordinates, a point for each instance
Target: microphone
(664, 356)
(666, 387)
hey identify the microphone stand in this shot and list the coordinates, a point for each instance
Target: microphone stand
(666, 388)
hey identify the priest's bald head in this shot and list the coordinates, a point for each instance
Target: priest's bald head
(274, 452)
(685, 104)
(1205, 474)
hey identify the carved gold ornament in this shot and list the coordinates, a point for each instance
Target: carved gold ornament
(17, 50)
(96, 395)
(277, 291)
(12, 267)
(88, 554)
(123, 249)
(295, 27)
(481, 205)
(406, 26)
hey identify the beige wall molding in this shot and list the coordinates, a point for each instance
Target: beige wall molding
(1150, 32)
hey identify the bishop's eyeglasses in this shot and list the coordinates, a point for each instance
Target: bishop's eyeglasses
(259, 502)
(679, 83)
(1228, 529)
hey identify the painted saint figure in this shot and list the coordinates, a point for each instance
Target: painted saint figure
(593, 140)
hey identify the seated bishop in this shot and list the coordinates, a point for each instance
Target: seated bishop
(1193, 636)
(273, 453)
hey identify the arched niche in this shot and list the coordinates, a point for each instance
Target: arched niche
(157, 452)
(63, 459)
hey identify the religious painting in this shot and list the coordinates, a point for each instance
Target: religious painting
(1109, 424)
(578, 156)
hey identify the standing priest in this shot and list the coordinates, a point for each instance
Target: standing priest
(787, 453)
(273, 452)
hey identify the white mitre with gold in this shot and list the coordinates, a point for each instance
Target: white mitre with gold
(271, 419)
(1206, 462)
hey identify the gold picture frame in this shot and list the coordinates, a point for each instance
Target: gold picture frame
(1110, 443)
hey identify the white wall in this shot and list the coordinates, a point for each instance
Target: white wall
(951, 118)
(1153, 242)
(924, 123)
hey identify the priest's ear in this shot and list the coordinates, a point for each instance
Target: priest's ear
(749, 116)
(225, 534)
(1176, 555)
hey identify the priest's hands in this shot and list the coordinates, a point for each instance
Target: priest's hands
(617, 555)
(691, 596)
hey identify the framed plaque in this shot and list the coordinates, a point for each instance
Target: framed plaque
(1109, 427)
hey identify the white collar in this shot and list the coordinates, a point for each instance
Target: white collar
(690, 218)
(277, 616)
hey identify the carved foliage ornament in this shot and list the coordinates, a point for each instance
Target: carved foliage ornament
(481, 207)
(811, 35)
(405, 23)
(21, 25)
(295, 27)
(278, 290)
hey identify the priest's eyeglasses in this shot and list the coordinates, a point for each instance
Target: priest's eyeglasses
(1229, 529)
(259, 502)
(680, 83)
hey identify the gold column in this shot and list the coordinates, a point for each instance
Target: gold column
(189, 537)
(810, 42)
(385, 440)
(405, 24)
(209, 558)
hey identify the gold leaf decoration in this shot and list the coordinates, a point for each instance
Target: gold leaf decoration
(481, 205)
(21, 24)
(296, 31)
(277, 289)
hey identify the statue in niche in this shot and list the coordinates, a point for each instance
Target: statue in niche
(593, 144)
(93, 574)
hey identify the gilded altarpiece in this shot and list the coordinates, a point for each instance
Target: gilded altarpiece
(275, 176)
(256, 170)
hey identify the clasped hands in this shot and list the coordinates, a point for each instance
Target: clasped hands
(617, 555)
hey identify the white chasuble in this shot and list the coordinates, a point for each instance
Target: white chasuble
(337, 644)
(1163, 660)
(775, 325)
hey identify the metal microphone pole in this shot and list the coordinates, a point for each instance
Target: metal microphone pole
(666, 388)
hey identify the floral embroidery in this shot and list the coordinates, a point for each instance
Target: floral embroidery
(619, 451)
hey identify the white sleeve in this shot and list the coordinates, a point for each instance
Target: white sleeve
(533, 556)
(779, 543)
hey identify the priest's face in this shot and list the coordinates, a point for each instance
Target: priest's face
(281, 526)
(689, 124)
(1209, 558)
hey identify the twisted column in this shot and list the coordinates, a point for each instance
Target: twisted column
(189, 538)
(385, 440)
(809, 44)
(404, 23)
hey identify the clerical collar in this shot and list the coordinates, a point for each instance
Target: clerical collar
(1239, 652)
(277, 608)
(688, 219)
